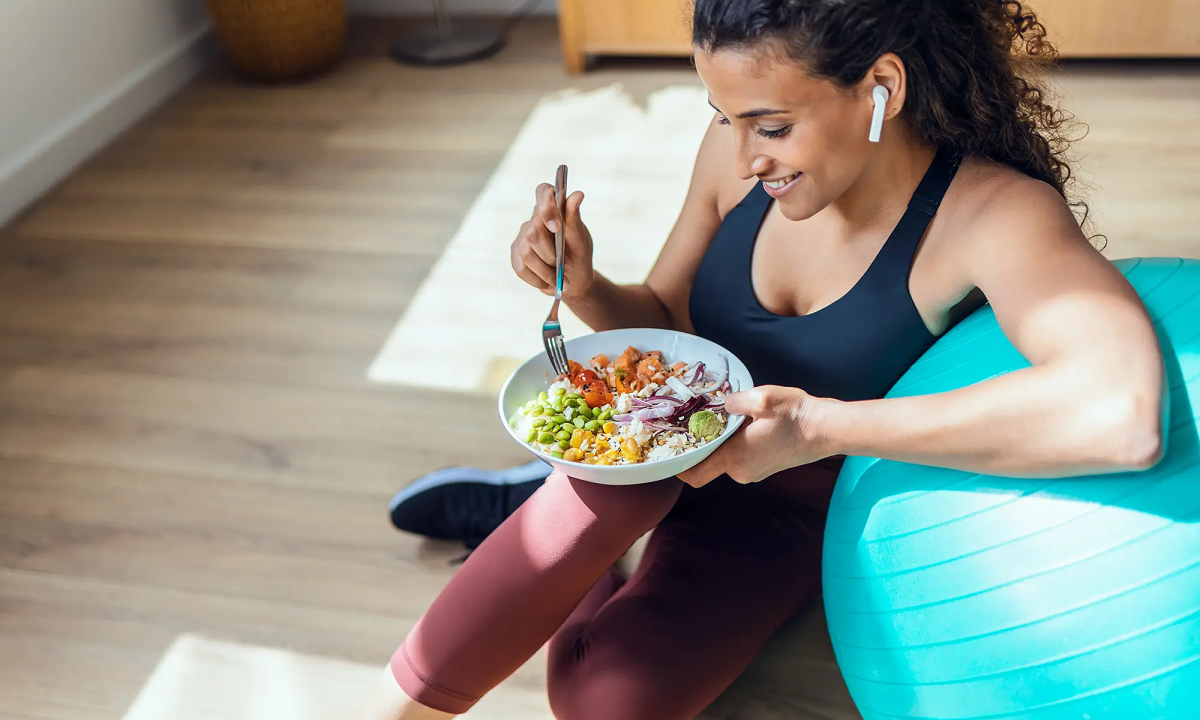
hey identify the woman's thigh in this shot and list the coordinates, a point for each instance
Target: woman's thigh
(726, 568)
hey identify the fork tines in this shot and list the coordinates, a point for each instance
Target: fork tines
(553, 340)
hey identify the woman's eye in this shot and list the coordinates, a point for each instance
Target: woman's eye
(769, 134)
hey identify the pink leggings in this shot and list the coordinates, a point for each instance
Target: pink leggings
(727, 564)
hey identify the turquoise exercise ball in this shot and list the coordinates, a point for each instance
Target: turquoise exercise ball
(951, 595)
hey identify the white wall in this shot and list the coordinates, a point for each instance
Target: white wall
(464, 7)
(75, 73)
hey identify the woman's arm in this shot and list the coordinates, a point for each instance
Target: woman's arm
(1092, 400)
(662, 300)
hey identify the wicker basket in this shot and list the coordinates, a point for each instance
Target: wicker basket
(280, 39)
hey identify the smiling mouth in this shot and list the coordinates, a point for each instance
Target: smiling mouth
(781, 183)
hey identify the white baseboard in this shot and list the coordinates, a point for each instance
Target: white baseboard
(456, 7)
(63, 147)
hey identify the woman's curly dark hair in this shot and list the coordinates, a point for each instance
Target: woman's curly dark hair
(971, 68)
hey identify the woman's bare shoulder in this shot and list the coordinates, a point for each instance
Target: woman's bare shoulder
(992, 216)
(992, 203)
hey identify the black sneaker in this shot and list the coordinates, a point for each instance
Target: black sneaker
(465, 504)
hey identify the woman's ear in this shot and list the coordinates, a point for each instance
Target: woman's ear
(886, 82)
(889, 72)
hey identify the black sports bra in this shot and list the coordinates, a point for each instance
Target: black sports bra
(853, 349)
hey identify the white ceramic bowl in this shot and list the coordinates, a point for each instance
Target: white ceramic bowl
(537, 374)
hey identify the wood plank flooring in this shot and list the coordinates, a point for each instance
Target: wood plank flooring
(188, 442)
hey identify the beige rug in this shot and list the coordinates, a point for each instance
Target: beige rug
(203, 679)
(473, 321)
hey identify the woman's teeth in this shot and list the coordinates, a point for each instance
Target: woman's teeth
(777, 184)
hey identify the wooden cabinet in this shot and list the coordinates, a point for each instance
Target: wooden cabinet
(1122, 28)
(1080, 28)
(623, 27)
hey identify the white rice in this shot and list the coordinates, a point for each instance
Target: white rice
(673, 444)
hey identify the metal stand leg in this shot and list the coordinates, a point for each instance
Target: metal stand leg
(443, 44)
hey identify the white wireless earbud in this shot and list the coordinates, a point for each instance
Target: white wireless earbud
(880, 95)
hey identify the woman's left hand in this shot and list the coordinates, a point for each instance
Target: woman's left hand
(780, 433)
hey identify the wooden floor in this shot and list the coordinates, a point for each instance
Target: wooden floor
(188, 442)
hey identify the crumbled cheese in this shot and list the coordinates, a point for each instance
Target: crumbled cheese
(647, 391)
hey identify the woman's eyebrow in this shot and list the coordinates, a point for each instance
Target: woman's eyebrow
(759, 112)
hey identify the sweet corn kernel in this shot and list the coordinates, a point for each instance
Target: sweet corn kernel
(572, 455)
(630, 450)
(610, 427)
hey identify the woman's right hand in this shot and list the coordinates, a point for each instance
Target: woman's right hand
(532, 252)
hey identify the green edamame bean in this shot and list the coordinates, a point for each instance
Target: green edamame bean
(556, 454)
(532, 436)
(579, 422)
(563, 435)
(564, 444)
(604, 415)
(558, 406)
(543, 397)
(558, 392)
(557, 419)
(538, 422)
(536, 410)
(573, 396)
(591, 425)
(546, 438)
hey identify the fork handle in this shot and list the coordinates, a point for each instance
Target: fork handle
(560, 198)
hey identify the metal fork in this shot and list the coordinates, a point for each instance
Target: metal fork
(552, 336)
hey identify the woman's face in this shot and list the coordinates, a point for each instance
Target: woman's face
(803, 137)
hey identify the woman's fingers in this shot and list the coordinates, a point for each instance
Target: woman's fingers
(547, 208)
(537, 267)
(540, 241)
(533, 252)
(532, 278)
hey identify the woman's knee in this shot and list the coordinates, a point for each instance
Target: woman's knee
(611, 696)
(626, 510)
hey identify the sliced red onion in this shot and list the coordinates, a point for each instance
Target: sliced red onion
(680, 389)
(656, 402)
(622, 419)
(698, 374)
(655, 412)
(721, 378)
(686, 410)
(664, 428)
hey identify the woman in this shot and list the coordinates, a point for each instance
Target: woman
(828, 263)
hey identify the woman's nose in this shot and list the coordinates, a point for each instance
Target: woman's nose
(748, 162)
